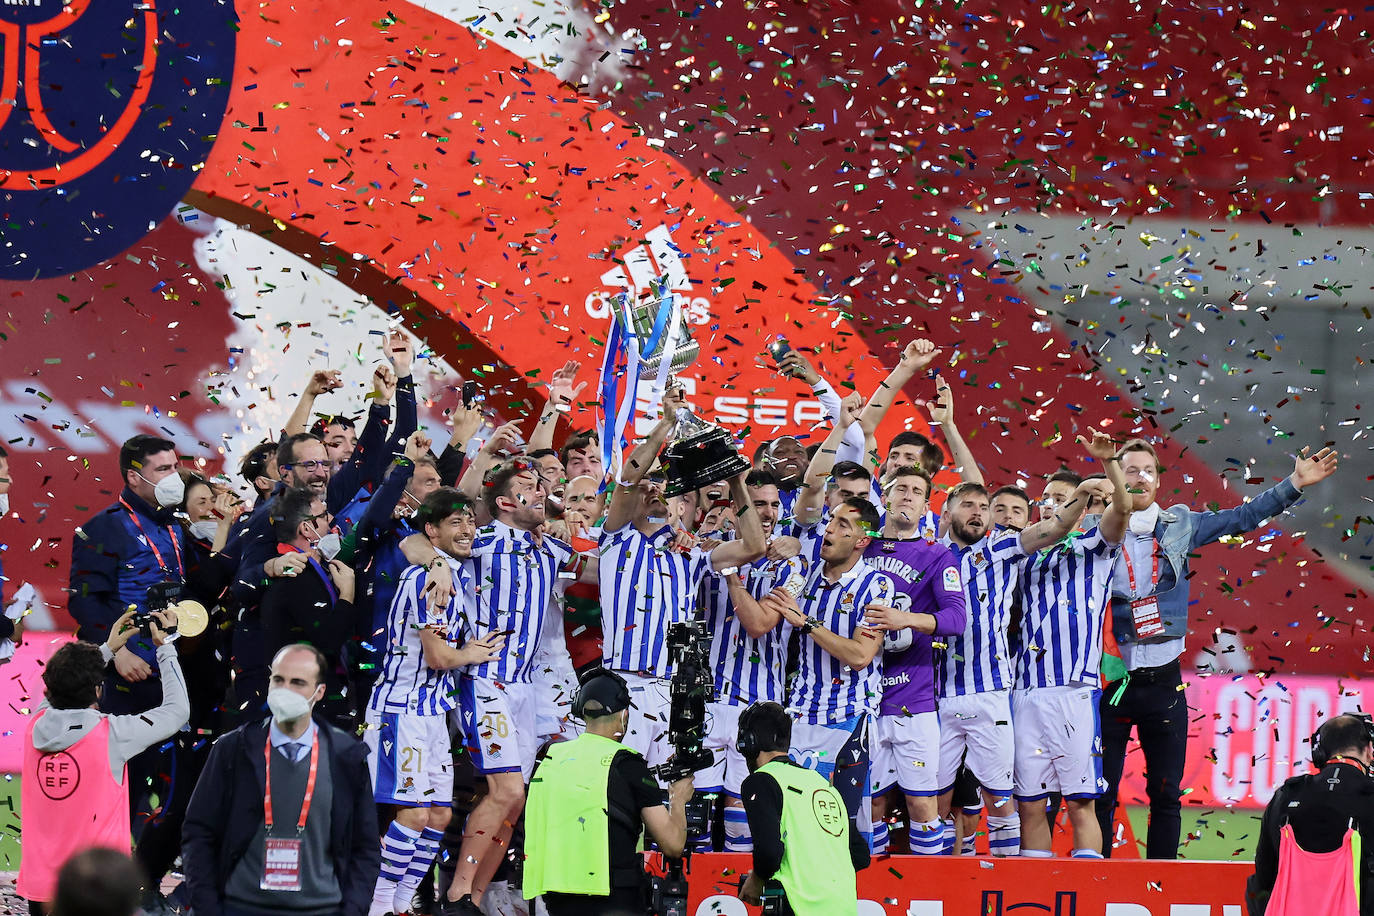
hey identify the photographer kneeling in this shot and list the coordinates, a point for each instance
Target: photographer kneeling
(74, 793)
(589, 801)
(797, 820)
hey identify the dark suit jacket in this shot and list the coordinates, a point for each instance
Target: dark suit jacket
(302, 608)
(226, 810)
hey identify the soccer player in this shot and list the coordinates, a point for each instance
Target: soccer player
(407, 737)
(974, 673)
(514, 571)
(1054, 703)
(929, 602)
(748, 652)
(835, 691)
(651, 578)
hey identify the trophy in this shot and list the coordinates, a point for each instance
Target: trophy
(681, 350)
(699, 454)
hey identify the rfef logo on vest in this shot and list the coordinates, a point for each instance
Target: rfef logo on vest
(58, 775)
(108, 109)
(829, 814)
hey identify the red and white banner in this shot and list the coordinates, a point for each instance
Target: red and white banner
(917, 886)
(1247, 735)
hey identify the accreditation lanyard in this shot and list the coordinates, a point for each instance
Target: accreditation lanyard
(1145, 609)
(171, 533)
(309, 785)
(281, 861)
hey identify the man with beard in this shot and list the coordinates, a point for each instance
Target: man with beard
(514, 569)
(974, 672)
(747, 653)
(651, 578)
(409, 751)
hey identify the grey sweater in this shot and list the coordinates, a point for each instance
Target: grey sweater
(59, 729)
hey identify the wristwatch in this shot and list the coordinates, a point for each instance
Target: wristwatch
(811, 624)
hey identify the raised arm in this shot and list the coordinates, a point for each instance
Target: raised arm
(750, 545)
(1052, 530)
(795, 365)
(562, 393)
(401, 352)
(807, 509)
(320, 382)
(942, 414)
(640, 461)
(1307, 471)
(467, 420)
(1113, 523)
(917, 355)
(505, 435)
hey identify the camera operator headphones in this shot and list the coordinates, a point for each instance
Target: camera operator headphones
(606, 689)
(1321, 755)
(754, 733)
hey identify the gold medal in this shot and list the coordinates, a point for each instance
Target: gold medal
(192, 618)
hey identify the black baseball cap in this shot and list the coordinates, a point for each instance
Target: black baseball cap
(601, 693)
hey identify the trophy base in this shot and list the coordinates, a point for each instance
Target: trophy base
(698, 461)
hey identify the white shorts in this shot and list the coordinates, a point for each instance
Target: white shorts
(817, 747)
(554, 685)
(976, 729)
(1058, 742)
(650, 704)
(411, 759)
(906, 750)
(728, 772)
(498, 723)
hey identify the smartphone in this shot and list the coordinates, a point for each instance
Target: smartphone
(469, 393)
(779, 348)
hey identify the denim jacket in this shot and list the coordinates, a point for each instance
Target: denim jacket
(1178, 532)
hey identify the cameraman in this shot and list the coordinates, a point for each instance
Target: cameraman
(74, 793)
(798, 822)
(589, 801)
(1312, 816)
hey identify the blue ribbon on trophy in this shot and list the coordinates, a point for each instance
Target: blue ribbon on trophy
(641, 333)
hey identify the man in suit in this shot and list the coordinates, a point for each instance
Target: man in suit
(315, 605)
(282, 820)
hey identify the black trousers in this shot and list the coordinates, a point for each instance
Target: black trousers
(1154, 704)
(623, 901)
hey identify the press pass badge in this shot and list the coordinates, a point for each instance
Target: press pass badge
(1145, 614)
(281, 861)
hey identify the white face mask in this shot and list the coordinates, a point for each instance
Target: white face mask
(169, 491)
(205, 530)
(287, 705)
(4, 504)
(329, 546)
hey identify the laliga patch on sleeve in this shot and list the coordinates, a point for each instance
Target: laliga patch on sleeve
(952, 583)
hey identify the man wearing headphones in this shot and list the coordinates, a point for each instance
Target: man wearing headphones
(1312, 816)
(589, 800)
(797, 820)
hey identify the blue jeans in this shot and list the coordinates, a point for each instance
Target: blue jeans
(1155, 705)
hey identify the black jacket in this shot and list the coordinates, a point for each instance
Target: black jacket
(1320, 807)
(226, 810)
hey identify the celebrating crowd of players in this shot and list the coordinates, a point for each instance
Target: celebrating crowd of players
(956, 660)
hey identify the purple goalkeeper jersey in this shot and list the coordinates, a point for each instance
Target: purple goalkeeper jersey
(927, 577)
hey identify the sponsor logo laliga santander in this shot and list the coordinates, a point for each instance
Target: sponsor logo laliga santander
(109, 110)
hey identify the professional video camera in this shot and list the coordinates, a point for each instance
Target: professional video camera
(691, 688)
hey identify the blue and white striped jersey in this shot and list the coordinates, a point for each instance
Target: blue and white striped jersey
(825, 691)
(748, 670)
(1064, 594)
(406, 684)
(979, 660)
(514, 579)
(645, 586)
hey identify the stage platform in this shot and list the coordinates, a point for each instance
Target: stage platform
(983, 886)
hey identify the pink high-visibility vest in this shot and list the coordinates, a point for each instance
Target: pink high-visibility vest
(1316, 883)
(69, 802)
